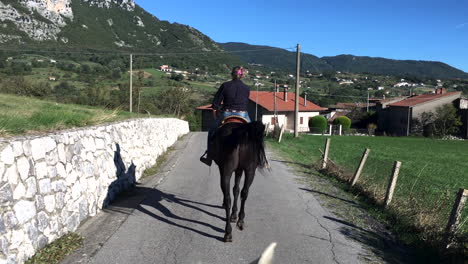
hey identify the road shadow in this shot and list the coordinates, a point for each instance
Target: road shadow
(306, 166)
(153, 202)
(124, 195)
(380, 242)
(329, 195)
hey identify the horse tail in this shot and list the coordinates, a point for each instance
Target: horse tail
(256, 138)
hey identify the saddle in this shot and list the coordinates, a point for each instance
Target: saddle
(233, 119)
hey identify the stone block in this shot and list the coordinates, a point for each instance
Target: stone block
(61, 153)
(6, 194)
(20, 191)
(39, 200)
(27, 148)
(7, 156)
(61, 172)
(41, 169)
(23, 167)
(31, 187)
(49, 144)
(49, 202)
(37, 149)
(24, 211)
(45, 186)
(52, 157)
(59, 200)
(42, 221)
(12, 175)
(17, 148)
(10, 220)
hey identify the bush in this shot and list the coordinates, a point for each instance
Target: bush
(318, 124)
(344, 121)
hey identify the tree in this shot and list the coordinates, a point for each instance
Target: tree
(318, 124)
(344, 121)
(447, 122)
(444, 121)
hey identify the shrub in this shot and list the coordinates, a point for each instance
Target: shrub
(318, 124)
(344, 121)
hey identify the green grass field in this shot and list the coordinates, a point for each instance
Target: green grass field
(23, 115)
(432, 172)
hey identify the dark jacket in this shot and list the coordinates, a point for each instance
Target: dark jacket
(233, 95)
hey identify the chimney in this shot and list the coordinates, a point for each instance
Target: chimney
(305, 99)
(285, 94)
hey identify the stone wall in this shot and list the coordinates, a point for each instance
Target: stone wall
(49, 184)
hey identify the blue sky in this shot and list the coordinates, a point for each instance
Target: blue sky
(396, 29)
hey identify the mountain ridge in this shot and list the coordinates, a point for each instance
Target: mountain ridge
(345, 62)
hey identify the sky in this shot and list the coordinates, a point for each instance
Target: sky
(395, 29)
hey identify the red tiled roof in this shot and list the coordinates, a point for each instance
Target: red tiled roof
(267, 101)
(420, 99)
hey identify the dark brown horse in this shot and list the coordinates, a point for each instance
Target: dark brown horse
(238, 148)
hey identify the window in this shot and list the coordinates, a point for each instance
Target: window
(273, 121)
(301, 120)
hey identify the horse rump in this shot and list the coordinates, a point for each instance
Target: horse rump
(255, 142)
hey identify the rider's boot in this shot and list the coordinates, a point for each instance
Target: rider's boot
(206, 159)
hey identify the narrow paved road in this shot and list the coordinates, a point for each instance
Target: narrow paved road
(181, 221)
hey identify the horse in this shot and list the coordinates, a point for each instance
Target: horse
(238, 147)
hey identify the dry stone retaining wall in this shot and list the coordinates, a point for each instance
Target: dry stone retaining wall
(50, 184)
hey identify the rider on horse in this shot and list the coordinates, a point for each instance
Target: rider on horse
(231, 99)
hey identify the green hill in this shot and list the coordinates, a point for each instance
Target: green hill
(88, 26)
(281, 59)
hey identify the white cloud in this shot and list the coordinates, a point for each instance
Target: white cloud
(459, 26)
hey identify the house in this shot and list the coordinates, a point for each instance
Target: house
(346, 82)
(463, 108)
(52, 78)
(53, 61)
(262, 107)
(165, 68)
(396, 117)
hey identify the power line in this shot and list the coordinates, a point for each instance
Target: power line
(138, 53)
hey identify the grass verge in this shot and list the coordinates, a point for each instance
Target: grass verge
(57, 250)
(431, 173)
(25, 115)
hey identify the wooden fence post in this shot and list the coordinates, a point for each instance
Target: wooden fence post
(281, 134)
(325, 155)
(341, 130)
(392, 184)
(331, 130)
(454, 219)
(361, 166)
(267, 127)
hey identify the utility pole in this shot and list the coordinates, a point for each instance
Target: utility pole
(131, 82)
(275, 115)
(296, 105)
(256, 102)
(367, 102)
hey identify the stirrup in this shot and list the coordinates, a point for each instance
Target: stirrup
(207, 161)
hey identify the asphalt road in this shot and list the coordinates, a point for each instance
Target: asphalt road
(180, 220)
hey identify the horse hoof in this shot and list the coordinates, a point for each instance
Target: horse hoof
(241, 225)
(228, 238)
(233, 219)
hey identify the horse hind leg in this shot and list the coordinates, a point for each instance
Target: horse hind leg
(249, 176)
(225, 182)
(235, 190)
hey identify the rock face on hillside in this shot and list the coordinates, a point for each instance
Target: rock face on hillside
(43, 20)
(95, 24)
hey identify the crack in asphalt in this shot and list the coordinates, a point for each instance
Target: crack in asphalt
(330, 240)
